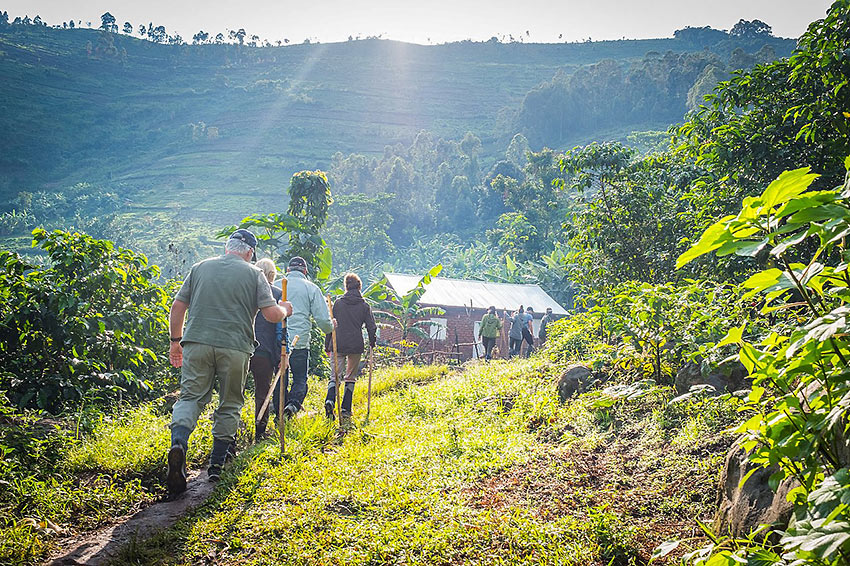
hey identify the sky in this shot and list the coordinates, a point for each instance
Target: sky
(433, 21)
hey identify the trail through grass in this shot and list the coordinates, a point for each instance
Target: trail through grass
(482, 466)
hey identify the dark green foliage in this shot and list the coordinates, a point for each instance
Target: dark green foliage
(782, 115)
(90, 324)
(614, 94)
(627, 220)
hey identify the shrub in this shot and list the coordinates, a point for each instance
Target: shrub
(87, 325)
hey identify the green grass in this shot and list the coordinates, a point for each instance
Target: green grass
(480, 465)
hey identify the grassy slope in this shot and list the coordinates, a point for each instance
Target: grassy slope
(483, 466)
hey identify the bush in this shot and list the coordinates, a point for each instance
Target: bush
(88, 325)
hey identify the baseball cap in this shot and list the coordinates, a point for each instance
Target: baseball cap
(298, 262)
(247, 237)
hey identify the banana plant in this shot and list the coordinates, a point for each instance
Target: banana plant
(403, 311)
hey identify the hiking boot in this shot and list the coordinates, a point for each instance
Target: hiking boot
(329, 410)
(176, 479)
(214, 473)
(289, 412)
(218, 456)
(231, 452)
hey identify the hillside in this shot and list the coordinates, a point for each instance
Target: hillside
(219, 129)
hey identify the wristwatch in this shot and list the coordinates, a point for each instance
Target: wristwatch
(179, 338)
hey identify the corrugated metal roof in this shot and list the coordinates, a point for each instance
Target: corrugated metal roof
(459, 292)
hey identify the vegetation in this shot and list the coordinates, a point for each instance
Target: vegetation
(724, 249)
(85, 328)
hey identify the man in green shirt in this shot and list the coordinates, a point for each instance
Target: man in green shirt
(489, 330)
(222, 296)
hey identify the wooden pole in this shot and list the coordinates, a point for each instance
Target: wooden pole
(369, 393)
(282, 399)
(284, 365)
(336, 365)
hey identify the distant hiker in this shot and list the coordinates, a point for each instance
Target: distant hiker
(307, 300)
(515, 334)
(488, 331)
(222, 296)
(351, 314)
(544, 324)
(266, 358)
(528, 331)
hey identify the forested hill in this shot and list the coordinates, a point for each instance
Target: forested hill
(175, 124)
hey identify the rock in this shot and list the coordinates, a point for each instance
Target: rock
(573, 381)
(727, 378)
(743, 509)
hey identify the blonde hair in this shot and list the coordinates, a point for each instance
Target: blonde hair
(268, 268)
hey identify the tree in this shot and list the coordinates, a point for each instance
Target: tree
(357, 229)
(128, 28)
(630, 218)
(240, 36)
(157, 34)
(751, 29)
(200, 37)
(776, 117)
(219, 38)
(517, 151)
(143, 31)
(88, 323)
(107, 22)
(309, 201)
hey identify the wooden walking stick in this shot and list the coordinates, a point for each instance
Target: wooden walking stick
(284, 365)
(369, 394)
(336, 365)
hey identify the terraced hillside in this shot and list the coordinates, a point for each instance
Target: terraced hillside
(219, 129)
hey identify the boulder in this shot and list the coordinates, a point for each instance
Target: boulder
(727, 378)
(573, 381)
(742, 509)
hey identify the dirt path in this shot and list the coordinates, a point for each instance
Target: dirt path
(103, 545)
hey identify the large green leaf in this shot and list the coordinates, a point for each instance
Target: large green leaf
(714, 236)
(788, 185)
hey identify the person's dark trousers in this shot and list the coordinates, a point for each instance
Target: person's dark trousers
(516, 344)
(527, 337)
(489, 344)
(299, 361)
(262, 370)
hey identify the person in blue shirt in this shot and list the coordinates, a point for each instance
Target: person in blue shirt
(528, 331)
(266, 358)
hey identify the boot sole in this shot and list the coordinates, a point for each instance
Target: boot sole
(176, 480)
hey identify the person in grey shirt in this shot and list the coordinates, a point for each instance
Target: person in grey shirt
(517, 322)
(307, 301)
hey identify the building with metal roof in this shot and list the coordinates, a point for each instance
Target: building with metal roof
(445, 292)
(464, 302)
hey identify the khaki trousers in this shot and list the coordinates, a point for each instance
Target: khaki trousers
(203, 367)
